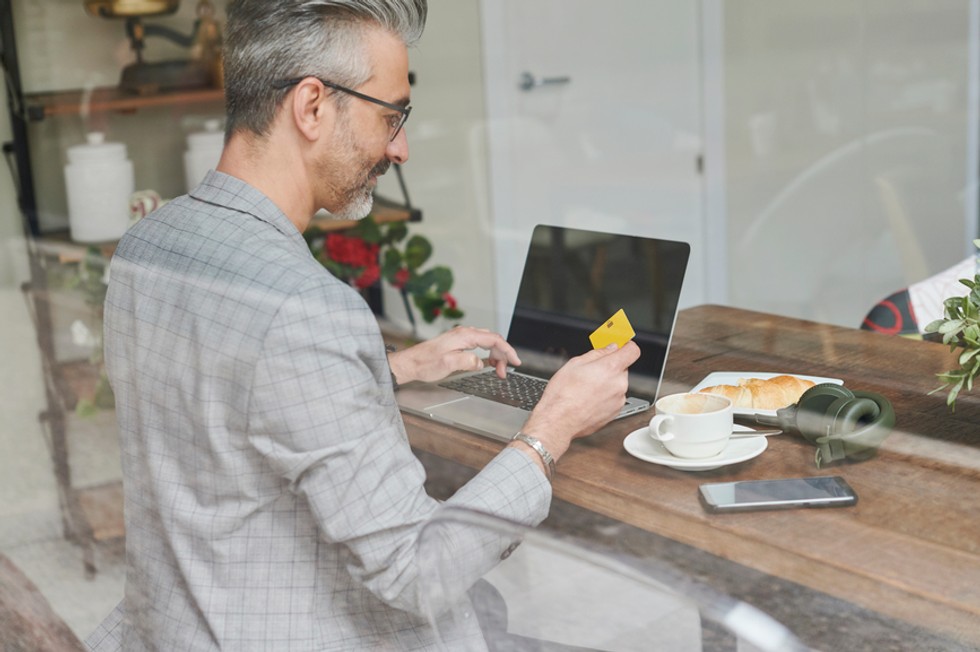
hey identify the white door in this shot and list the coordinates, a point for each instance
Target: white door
(595, 122)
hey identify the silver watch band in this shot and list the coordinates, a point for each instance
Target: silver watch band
(533, 442)
(391, 348)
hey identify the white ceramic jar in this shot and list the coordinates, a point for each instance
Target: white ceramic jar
(99, 179)
(203, 152)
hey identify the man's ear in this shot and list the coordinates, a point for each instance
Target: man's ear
(312, 115)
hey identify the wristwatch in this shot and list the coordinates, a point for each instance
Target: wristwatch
(391, 348)
(535, 443)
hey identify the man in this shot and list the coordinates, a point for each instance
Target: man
(272, 499)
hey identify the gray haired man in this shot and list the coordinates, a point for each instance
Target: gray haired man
(272, 499)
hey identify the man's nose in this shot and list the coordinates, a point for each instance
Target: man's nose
(397, 151)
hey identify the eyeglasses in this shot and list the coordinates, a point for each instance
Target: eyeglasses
(396, 122)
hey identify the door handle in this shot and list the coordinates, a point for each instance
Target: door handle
(530, 82)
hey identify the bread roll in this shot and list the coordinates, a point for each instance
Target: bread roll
(759, 394)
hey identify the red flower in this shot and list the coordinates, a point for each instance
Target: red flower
(350, 251)
(337, 247)
(369, 253)
(401, 278)
(368, 277)
(450, 300)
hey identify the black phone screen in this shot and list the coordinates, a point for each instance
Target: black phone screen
(820, 491)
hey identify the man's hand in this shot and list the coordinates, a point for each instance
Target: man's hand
(584, 395)
(450, 352)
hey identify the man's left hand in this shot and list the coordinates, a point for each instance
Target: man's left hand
(450, 352)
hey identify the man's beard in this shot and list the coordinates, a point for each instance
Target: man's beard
(359, 200)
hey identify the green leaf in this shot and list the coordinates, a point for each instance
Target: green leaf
(104, 398)
(951, 326)
(367, 230)
(85, 408)
(949, 377)
(951, 397)
(396, 232)
(391, 262)
(427, 305)
(952, 303)
(967, 356)
(933, 326)
(453, 313)
(417, 251)
(442, 278)
(340, 271)
(422, 284)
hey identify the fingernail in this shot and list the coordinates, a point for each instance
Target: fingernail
(612, 346)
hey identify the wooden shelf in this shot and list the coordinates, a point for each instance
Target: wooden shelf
(102, 507)
(99, 100)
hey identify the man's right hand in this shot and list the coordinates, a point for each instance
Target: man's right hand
(584, 395)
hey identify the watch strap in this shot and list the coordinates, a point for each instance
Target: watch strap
(391, 348)
(535, 443)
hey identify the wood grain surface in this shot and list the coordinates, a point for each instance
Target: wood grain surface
(910, 548)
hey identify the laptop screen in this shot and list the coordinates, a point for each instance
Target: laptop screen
(573, 280)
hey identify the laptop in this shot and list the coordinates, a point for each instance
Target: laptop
(573, 280)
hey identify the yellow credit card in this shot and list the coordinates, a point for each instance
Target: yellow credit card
(616, 330)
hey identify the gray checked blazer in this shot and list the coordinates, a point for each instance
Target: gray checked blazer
(272, 501)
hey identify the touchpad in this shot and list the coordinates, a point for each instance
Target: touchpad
(486, 417)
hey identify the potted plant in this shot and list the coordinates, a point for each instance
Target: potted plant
(369, 252)
(960, 329)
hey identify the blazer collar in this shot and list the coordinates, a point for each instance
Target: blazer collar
(230, 192)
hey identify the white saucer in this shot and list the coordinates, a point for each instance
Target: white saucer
(641, 445)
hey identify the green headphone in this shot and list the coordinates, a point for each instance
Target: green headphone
(841, 423)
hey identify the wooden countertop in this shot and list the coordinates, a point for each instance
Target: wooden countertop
(909, 549)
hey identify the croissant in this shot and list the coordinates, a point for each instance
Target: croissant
(759, 394)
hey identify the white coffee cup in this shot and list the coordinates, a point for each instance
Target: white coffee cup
(693, 425)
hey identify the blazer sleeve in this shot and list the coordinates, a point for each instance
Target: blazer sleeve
(323, 415)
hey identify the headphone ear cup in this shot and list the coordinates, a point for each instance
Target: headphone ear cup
(859, 426)
(816, 409)
(850, 414)
(840, 423)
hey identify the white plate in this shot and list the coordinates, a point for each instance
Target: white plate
(732, 378)
(641, 445)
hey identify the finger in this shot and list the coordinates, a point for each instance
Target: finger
(504, 353)
(464, 361)
(467, 337)
(594, 354)
(484, 339)
(501, 366)
(507, 355)
(629, 353)
(623, 356)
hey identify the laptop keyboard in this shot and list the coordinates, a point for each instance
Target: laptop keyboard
(516, 389)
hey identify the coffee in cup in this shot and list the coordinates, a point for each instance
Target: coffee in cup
(693, 425)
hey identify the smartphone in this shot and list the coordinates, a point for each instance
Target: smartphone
(820, 491)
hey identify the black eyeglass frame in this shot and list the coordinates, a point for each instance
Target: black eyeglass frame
(405, 111)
